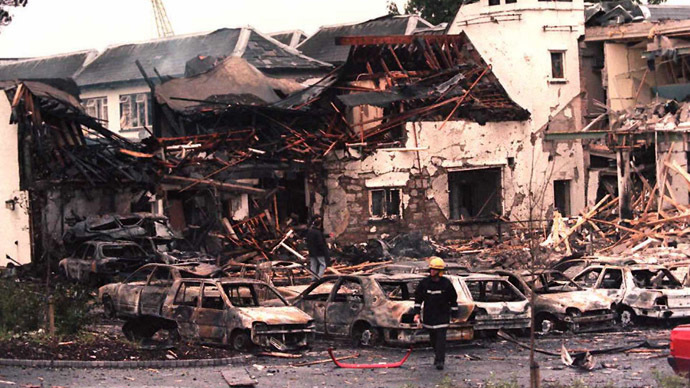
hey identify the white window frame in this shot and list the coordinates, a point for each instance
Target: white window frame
(97, 107)
(132, 103)
(553, 79)
(384, 208)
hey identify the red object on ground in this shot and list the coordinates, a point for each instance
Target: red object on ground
(680, 350)
(368, 366)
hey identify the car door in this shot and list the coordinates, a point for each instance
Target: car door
(314, 299)
(344, 305)
(611, 284)
(184, 308)
(210, 317)
(589, 278)
(72, 262)
(129, 292)
(155, 291)
(85, 263)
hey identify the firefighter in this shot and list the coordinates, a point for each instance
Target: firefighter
(440, 301)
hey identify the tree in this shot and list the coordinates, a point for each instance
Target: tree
(5, 17)
(435, 11)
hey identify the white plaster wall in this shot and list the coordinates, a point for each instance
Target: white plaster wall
(113, 95)
(464, 145)
(15, 239)
(624, 69)
(516, 40)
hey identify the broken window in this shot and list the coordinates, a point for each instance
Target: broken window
(561, 197)
(135, 111)
(211, 298)
(589, 278)
(320, 291)
(97, 107)
(245, 295)
(655, 278)
(475, 193)
(349, 290)
(90, 253)
(613, 279)
(494, 2)
(79, 254)
(557, 65)
(188, 294)
(384, 203)
(161, 277)
(492, 291)
(398, 290)
(140, 275)
(123, 251)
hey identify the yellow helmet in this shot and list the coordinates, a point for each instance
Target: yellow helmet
(437, 263)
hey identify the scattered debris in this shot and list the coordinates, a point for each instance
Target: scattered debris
(368, 366)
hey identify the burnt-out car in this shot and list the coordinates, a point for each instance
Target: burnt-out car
(497, 303)
(95, 262)
(117, 227)
(572, 267)
(681, 271)
(560, 304)
(418, 267)
(290, 279)
(373, 308)
(640, 290)
(147, 287)
(174, 251)
(222, 311)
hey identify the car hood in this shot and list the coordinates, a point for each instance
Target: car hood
(582, 300)
(284, 315)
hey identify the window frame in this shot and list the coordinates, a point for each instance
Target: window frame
(552, 76)
(386, 203)
(101, 109)
(134, 99)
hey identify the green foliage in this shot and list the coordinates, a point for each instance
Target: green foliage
(392, 8)
(23, 308)
(73, 305)
(493, 383)
(669, 380)
(434, 11)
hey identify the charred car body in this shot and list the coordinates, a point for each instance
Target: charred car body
(94, 262)
(224, 311)
(497, 303)
(373, 308)
(562, 304)
(117, 227)
(640, 290)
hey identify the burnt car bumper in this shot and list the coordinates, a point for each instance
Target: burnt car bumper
(592, 321)
(410, 335)
(501, 322)
(663, 312)
(283, 337)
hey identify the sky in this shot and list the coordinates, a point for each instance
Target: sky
(47, 27)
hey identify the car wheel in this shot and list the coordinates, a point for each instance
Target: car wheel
(574, 327)
(108, 307)
(137, 330)
(242, 341)
(546, 324)
(627, 317)
(366, 335)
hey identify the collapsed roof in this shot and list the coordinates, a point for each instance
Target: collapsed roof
(322, 45)
(169, 56)
(234, 81)
(609, 13)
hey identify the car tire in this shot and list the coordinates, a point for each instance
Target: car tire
(366, 335)
(241, 341)
(627, 317)
(108, 307)
(546, 324)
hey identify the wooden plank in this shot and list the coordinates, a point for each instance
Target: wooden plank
(238, 377)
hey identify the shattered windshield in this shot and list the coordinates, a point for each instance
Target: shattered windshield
(553, 282)
(123, 251)
(252, 295)
(655, 278)
(398, 290)
(493, 291)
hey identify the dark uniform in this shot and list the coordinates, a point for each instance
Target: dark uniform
(440, 303)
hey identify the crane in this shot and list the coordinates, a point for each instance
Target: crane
(162, 22)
